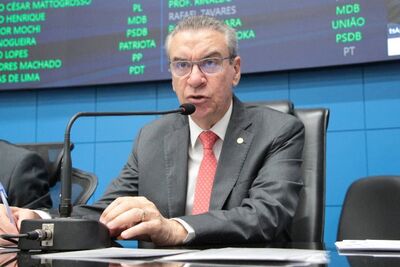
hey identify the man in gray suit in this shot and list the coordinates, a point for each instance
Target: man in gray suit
(258, 151)
(24, 177)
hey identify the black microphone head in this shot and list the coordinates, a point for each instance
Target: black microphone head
(187, 108)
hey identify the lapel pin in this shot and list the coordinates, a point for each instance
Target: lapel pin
(240, 140)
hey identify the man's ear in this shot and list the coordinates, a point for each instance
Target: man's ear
(236, 67)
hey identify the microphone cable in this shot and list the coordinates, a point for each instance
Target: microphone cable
(38, 234)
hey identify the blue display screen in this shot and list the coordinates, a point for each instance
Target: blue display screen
(64, 43)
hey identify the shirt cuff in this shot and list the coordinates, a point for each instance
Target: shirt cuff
(42, 214)
(191, 234)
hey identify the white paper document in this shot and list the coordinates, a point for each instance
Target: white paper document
(223, 254)
(254, 254)
(110, 253)
(368, 245)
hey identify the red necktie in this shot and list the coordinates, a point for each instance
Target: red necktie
(205, 178)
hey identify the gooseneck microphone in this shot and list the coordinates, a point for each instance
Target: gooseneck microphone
(65, 233)
(65, 208)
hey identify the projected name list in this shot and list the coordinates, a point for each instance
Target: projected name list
(60, 43)
(19, 37)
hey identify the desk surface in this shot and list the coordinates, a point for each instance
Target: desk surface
(336, 260)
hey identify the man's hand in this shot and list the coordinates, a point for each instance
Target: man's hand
(19, 214)
(8, 259)
(138, 218)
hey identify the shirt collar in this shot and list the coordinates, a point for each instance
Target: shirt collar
(219, 128)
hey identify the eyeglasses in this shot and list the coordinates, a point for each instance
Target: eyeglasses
(210, 65)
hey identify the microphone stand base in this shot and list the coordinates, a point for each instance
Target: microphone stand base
(67, 234)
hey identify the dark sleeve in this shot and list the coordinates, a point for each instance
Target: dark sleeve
(29, 187)
(126, 184)
(265, 214)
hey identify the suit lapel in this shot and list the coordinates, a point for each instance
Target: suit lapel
(175, 156)
(234, 151)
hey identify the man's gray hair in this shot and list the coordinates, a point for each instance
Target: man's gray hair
(206, 22)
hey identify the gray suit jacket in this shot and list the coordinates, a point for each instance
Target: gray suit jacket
(24, 176)
(256, 186)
